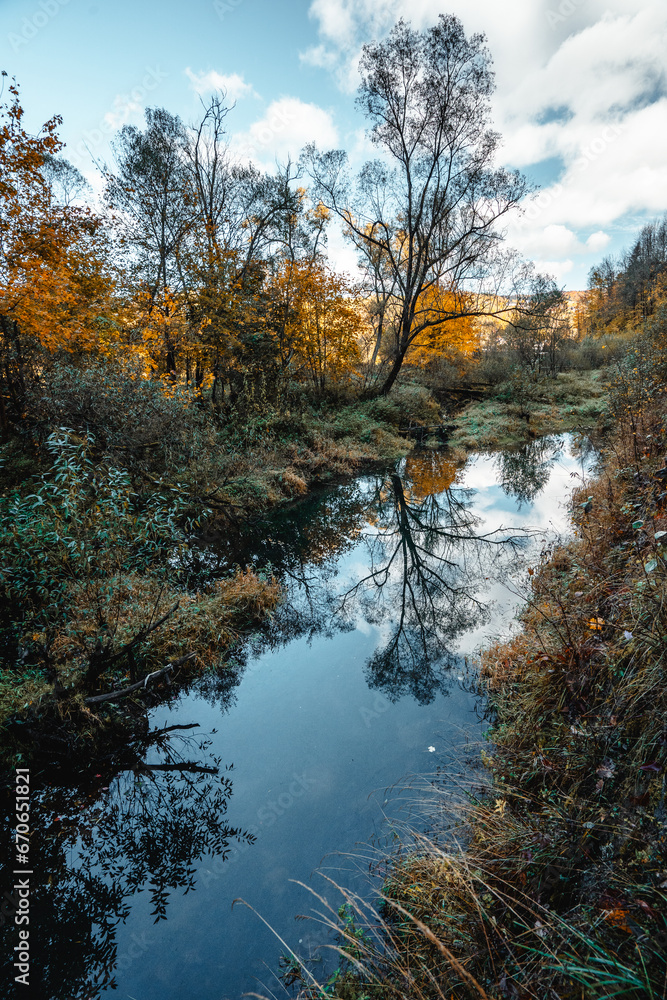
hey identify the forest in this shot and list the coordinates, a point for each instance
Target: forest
(179, 356)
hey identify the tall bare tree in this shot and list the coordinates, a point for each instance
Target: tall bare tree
(431, 205)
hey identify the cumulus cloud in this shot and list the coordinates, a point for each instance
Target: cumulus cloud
(597, 242)
(286, 127)
(579, 87)
(233, 85)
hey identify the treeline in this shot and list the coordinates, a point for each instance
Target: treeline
(212, 274)
(626, 291)
(202, 270)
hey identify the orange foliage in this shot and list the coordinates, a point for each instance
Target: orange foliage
(318, 324)
(459, 333)
(428, 473)
(53, 274)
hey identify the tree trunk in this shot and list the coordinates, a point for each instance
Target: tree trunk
(393, 374)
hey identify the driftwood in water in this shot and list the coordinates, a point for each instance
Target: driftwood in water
(122, 692)
(100, 659)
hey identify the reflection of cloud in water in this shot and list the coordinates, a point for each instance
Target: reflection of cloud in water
(547, 511)
(419, 555)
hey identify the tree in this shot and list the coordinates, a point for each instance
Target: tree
(430, 207)
(152, 198)
(539, 325)
(316, 322)
(53, 271)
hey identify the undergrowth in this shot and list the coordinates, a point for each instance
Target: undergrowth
(95, 591)
(525, 407)
(554, 883)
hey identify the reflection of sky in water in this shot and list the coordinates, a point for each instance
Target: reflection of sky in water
(507, 494)
(548, 512)
(317, 731)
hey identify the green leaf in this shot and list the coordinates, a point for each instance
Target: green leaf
(659, 535)
(651, 565)
(637, 525)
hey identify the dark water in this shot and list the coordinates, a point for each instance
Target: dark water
(291, 761)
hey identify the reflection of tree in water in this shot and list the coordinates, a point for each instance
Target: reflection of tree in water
(524, 473)
(427, 473)
(164, 808)
(426, 566)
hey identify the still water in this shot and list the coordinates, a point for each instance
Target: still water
(292, 763)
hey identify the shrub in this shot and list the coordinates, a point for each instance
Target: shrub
(132, 418)
(83, 522)
(406, 404)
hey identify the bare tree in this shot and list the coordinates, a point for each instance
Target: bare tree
(539, 325)
(431, 205)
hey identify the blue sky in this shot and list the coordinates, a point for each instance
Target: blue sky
(581, 98)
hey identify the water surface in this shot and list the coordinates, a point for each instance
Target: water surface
(392, 582)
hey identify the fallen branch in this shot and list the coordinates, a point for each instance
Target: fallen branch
(113, 695)
(195, 768)
(140, 636)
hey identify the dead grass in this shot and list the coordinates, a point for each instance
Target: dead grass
(554, 885)
(571, 401)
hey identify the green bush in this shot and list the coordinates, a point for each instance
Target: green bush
(82, 523)
(592, 352)
(406, 404)
(134, 419)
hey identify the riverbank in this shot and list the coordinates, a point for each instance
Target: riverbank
(561, 886)
(525, 408)
(102, 588)
(99, 601)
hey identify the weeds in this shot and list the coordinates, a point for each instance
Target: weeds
(554, 884)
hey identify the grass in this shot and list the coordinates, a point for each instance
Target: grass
(553, 884)
(570, 401)
(270, 461)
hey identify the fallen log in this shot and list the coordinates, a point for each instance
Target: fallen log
(122, 692)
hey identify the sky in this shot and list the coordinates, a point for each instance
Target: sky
(581, 95)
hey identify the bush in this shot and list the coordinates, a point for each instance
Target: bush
(592, 352)
(83, 522)
(406, 404)
(133, 419)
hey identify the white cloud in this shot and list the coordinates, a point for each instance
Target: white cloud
(286, 127)
(578, 85)
(558, 269)
(596, 242)
(233, 85)
(123, 111)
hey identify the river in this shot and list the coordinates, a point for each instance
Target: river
(297, 761)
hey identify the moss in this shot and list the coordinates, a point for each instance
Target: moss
(571, 401)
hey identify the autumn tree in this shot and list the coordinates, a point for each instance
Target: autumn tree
(318, 323)
(430, 205)
(625, 291)
(54, 277)
(451, 337)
